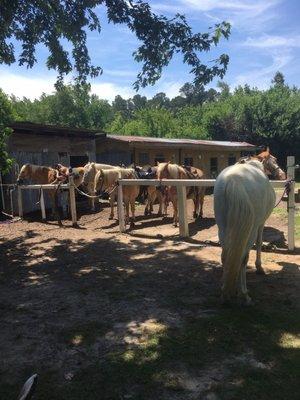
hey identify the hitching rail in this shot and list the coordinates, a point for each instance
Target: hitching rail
(181, 184)
(69, 187)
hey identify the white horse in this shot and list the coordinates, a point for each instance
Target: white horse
(243, 200)
(88, 181)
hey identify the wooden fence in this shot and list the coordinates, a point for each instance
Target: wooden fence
(181, 185)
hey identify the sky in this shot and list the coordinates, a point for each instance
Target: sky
(265, 39)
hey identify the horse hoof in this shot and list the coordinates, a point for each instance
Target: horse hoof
(110, 218)
(260, 271)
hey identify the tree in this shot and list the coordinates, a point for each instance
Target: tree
(159, 100)
(50, 23)
(278, 79)
(6, 117)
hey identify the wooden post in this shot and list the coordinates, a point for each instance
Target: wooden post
(121, 217)
(72, 201)
(20, 205)
(43, 205)
(291, 203)
(182, 212)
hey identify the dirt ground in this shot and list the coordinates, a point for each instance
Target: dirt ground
(99, 314)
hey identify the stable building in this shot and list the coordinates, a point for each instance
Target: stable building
(40, 144)
(211, 156)
(50, 144)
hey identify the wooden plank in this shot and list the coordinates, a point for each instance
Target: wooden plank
(183, 182)
(182, 212)
(72, 201)
(20, 204)
(45, 187)
(42, 203)
(291, 203)
(121, 216)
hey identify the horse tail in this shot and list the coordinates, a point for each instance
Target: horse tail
(240, 218)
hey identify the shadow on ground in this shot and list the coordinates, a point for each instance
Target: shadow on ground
(110, 320)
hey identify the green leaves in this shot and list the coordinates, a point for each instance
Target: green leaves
(50, 23)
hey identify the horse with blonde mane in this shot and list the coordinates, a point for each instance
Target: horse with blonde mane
(106, 180)
(174, 171)
(88, 180)
(243, 200)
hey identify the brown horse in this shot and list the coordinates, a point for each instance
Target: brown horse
(106, 180)
(174, 171)
(269, 163)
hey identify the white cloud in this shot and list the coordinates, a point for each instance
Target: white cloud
(247, 15)
(261, 77)
(26, 85)
(30, 86)
(108, 91)
(269, 41)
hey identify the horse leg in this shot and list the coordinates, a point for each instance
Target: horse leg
(112, 204)
(55, 211)
(126, 203)
(160, 200)
(196, 206)
(201, 201)
(175, 213)
(91, 199)
(242, 289)
(132, 207)
(259, 268)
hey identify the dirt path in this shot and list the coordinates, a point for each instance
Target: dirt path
(99, 314)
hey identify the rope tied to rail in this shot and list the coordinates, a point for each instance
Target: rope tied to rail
(97, 196)
(287, 189)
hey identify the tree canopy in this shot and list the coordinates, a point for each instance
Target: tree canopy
(50, 23)
(260, 117)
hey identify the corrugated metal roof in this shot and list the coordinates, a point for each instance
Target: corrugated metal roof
(53, 130)
(185, 142)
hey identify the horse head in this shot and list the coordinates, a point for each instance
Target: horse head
(270, 165)
(89, 173)
(99, 181)
(24, 174)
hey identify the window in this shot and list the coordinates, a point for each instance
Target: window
(159, 158)
(214, 167)
(144, 159)
(231, 160)
(188, 161)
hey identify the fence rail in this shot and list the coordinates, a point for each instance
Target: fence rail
(181, 185)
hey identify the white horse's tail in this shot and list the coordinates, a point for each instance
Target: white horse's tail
(240, 217)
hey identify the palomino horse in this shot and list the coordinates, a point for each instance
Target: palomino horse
(151, 193)
(174, 171)
(107, 179)
(88, 181)
(243, 200)
(41, 175)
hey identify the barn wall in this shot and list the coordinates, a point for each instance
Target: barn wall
(45, 150)
(114, 153)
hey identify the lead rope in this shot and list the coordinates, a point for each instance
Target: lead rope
(287, 189)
